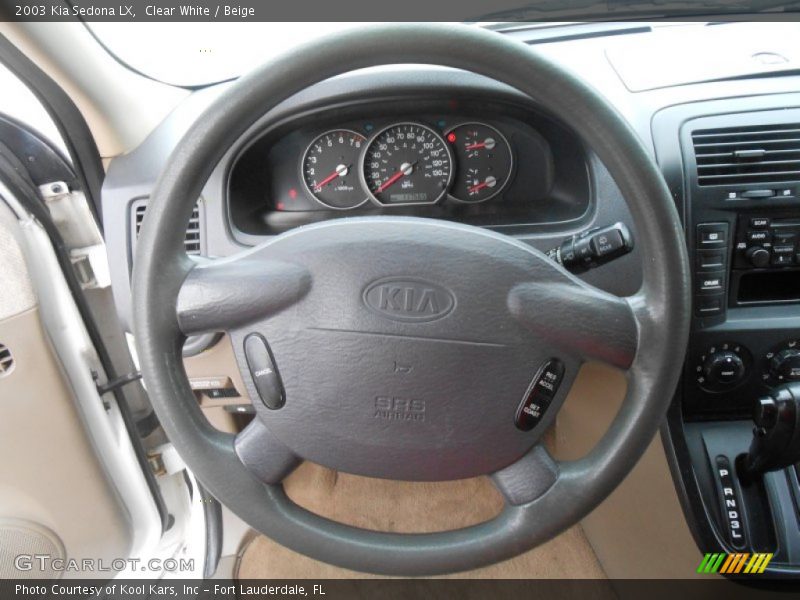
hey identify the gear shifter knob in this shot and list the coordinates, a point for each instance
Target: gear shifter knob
(776, 436)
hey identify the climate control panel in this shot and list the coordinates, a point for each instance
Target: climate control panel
(724, 375)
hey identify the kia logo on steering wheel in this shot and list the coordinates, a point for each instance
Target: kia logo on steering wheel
(409, 299)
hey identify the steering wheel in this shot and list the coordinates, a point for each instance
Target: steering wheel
(426, 383)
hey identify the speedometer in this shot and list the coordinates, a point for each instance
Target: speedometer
(407, 163)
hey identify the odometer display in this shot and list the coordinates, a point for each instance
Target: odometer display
(330, 169)
(407, 163)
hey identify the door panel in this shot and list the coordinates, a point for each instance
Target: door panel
(53, 491)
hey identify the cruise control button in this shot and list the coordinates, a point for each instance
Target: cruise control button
(263, 371)
(540, 394)
(711, 283)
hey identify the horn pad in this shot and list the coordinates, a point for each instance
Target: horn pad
(403, 360)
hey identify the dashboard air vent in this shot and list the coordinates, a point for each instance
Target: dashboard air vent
(747, 155)
(193, 240)
(6, 361)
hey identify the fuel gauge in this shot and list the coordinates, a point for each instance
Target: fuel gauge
(484, 162)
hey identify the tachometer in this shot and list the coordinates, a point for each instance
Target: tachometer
(407, 163)
(330, 169)
(484, 161)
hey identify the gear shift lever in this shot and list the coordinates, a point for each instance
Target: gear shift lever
(776, 436)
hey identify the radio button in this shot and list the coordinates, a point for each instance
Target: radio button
(759, 222)
(780, 260)
(758, 256)
(783, 237)
(758, 236)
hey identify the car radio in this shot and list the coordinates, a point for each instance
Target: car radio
(763, 242)
(766, 258)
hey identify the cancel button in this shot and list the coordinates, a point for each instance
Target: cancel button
(265, 375)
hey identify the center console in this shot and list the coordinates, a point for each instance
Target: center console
(734, 169)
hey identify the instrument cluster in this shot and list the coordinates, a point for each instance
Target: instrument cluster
(407, 164)
(481, 161)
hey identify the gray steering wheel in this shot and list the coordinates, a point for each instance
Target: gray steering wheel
(480, 321)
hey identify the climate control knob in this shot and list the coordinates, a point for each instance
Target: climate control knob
(785, 365)
(758, 256)
(723, 368)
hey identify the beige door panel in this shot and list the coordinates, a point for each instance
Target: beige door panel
(50, 476)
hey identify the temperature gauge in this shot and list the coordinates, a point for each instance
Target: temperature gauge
(484, 161)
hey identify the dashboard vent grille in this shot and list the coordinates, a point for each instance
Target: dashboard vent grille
(193, 240)
(6, 361)
(747, 155)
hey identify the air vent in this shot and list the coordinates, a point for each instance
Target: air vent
(748, 155)
(193, 240)
(6, 361)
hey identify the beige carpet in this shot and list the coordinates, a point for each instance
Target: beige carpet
(409, 508)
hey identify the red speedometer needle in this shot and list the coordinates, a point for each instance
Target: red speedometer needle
(389, 182)
(405, 169)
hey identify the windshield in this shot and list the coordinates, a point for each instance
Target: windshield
(197, 54)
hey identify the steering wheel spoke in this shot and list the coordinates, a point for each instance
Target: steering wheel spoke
(263, 455)
(228, 293)
(579, 319)
(528, 478)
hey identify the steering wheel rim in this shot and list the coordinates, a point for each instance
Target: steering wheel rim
(543, 497)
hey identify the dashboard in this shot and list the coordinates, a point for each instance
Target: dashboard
(485, 163)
